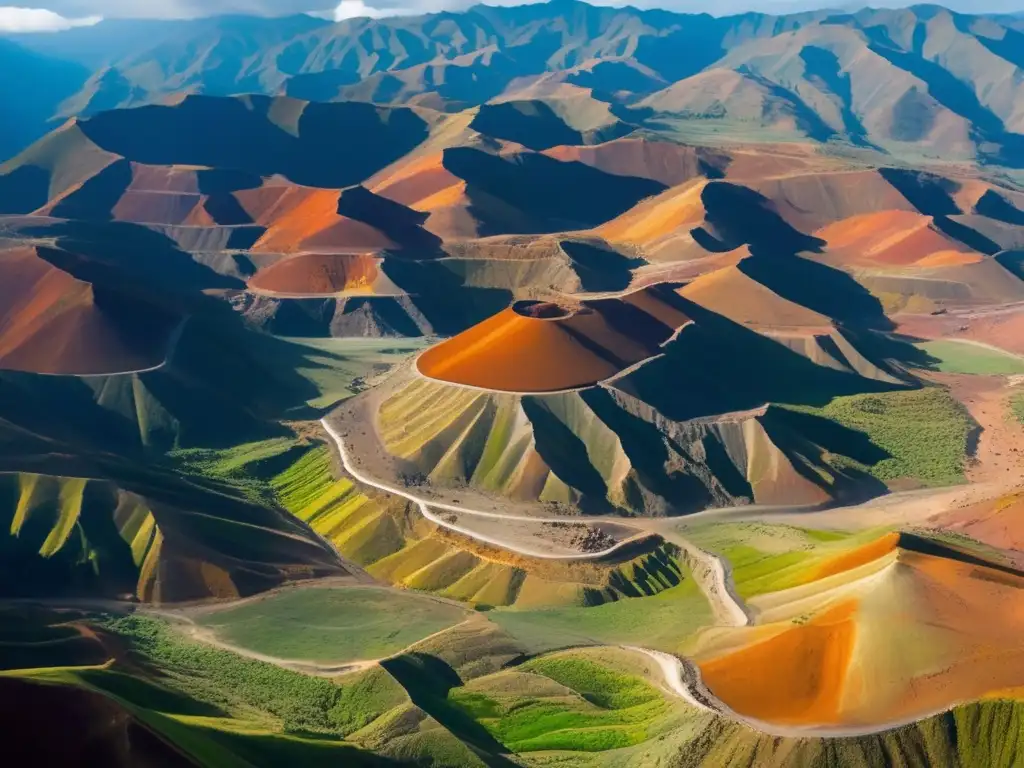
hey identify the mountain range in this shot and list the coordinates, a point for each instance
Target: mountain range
(952, 80)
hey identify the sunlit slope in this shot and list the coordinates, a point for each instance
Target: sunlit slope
(325, 274)
(167, 539)
(601, 448)
(671, 164)
(476, 192)
(893, 631)
(397, 546)
(52, 322)
(543, 347)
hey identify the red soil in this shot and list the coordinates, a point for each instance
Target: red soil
(300, 218)
(50, 322)
(420, 184)
(314, 273)
(515, 352)
(998, 522)
(671, 164)
(894, 239)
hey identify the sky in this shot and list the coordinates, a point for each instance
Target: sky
(55, 15)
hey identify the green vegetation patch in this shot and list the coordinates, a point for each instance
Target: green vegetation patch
(591, 707)
(1017, 406)
(923, 431)
(333, 624)
(665, 621)
(964, 357)
(769, 558)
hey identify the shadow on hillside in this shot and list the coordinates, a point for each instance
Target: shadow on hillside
(599, 267)
(123, 254)
(925, 546)
(401, 224)
(428, 681)
(824, 69)
(933, 196)
(551, 194)
(338, 144)
(530, 123)
(662, 473)
(23, 190)
(952, 93)
(716, 366)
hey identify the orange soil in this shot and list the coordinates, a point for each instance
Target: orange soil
(809, 201)
(973, 618)
(301, 218)
(422, 180)
(671, 164)
(514, 353)
(855, 558)
(676, 209)
(313, 273)
(894, 239)
(795, 677)
(50, 323)
(924, 634)
(732, 293)
(266, 204)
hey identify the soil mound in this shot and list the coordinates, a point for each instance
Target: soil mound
(542, 347)
(734, 294)
(51, 322)
(902, 627)
(670, 164)
(317, 274)
(894, 239)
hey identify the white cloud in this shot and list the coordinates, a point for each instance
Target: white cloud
(353, 9)
(39, 20)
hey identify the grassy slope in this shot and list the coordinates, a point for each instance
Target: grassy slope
(223, 708)
(924, 432)
(664, 621)
(961, 357)
(333, 625)
(567, 702)
(770, 558)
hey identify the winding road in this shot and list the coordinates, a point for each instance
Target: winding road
(425, 505)
(711, 573)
